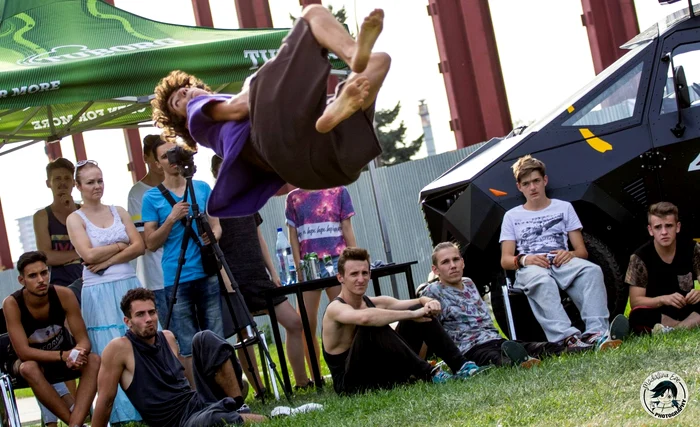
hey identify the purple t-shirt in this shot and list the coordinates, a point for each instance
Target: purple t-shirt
(241, 189)
(317, 215)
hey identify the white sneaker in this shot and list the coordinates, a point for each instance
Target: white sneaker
(661, 329)
(287, 411)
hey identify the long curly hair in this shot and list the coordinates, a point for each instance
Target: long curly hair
(172, 124)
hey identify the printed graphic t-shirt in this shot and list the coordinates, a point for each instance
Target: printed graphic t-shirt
(647, 270)
(539, 232)
(465, 315)
(317, 215)
(148, 268)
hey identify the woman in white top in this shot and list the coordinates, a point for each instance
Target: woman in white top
(106, 239)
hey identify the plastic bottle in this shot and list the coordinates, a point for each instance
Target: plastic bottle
(285, 260)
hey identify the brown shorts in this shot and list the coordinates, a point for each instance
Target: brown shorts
(287, 97)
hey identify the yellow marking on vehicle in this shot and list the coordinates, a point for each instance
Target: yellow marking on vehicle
(497, 193)
(570, 109)
(596, 143)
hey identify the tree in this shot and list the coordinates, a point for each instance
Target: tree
(391, 137)
(341, 15)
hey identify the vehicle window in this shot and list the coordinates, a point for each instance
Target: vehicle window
(615, 103)
(687, 55)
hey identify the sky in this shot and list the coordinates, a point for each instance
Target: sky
(543, 49)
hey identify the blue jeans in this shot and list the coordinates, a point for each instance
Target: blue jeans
(198, 308)
(162, 304)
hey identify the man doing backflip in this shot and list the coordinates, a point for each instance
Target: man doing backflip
(280, 128)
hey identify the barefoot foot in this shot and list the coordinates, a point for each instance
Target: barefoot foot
(350, 100)
(370, 30)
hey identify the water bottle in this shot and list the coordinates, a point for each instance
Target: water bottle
(285, 260)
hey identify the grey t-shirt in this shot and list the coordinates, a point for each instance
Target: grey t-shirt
(539, 232)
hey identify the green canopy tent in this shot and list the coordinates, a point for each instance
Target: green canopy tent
(68, 66)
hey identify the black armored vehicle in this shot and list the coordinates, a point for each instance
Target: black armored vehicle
(629, 138)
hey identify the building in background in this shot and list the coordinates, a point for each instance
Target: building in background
(26, 233)
(427, 129)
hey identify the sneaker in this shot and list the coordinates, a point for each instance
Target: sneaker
(661, 329)
(470, 369)
(574, 344)
(619, 329)
(244, 409)
(281, 411)
(440, 376)
(518, 355)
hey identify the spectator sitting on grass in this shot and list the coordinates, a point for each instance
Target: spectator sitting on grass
(363, 352)
(466, 318)
(161, 392)
(661, 274)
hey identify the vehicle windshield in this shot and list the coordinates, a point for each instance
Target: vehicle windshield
(600, 78)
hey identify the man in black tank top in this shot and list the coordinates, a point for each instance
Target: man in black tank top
(661, 276)
(50, 225)
(147, 365)
(363, 352)
(36, 317)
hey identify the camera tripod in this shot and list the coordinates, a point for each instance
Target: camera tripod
(187, 169)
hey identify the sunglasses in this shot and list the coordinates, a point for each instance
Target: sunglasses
(82, 163)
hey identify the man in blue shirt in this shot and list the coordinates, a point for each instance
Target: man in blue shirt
(198, 305)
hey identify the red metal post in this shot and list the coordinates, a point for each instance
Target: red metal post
(202, 13)
(253, 14)
(136, 165)
(79, 147)
(53, 150)
(609, 23)
(5, 255)
(471, 69)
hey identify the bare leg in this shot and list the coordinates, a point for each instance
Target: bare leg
(86, 390)
(376, 71)
(72, 387)
(692, 321)
(187, 364)
(256, 381)
(330, 34)
(225, 377)
(312, 301)
(333, 292)
(667, 321)
(290, 320)
(32, 373)
(351, 99)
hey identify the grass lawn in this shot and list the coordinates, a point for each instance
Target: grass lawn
(593, 389)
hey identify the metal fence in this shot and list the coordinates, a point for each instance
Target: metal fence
(398, 186)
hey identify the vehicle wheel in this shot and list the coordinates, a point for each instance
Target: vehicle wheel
(601, 255)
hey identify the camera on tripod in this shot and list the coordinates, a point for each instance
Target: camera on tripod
(184, 159)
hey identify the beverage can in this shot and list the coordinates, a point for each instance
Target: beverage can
(314, 271)
(328, 264)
